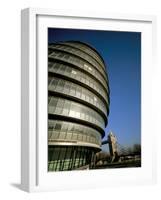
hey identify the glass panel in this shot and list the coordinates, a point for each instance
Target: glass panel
(74, 136)
(58, 127)
(69, 136)
(62, 135)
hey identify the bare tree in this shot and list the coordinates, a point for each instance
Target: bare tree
(137, 149)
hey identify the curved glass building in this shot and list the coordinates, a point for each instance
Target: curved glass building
(78, 105)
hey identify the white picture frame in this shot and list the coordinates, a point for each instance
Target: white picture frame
(34, 176)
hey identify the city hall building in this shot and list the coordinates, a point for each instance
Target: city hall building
(78, 105)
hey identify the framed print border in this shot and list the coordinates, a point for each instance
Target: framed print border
(34, 23)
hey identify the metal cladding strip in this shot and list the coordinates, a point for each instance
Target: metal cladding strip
(71, 143)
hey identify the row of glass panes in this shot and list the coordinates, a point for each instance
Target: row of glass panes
(68, 158)
(80, 63)
(72, 109)
(86, 49)
(68, 136)
(77, 75)
(71, 131)
(65, 152)
(72, 127)
(72, 89)
(62, 165)
(81, 54)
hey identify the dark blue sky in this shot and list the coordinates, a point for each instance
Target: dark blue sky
(121, 52)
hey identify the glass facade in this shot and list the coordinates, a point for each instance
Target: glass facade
(80, 64)
(75, 75)
(78, 105)
(69, 158)
(77, 91)
(82, 55)
(68, 108)
(68, 131)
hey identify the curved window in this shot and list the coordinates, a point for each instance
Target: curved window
(67, 131)
(69, 108)
(61, 158)
(79, 63)
(87, 50)
(81, 54)
(72, 89)
(79, 76)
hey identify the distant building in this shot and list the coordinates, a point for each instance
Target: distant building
(112, 140)
(78, 104)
